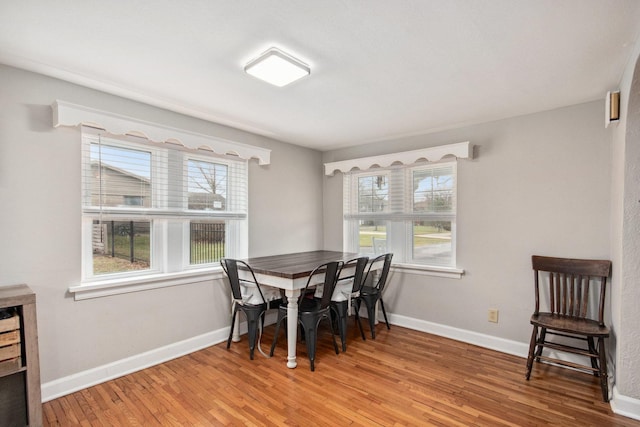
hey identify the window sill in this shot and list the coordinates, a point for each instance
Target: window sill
(424, 270)
(103, 288)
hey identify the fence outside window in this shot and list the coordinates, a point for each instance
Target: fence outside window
(207, 242)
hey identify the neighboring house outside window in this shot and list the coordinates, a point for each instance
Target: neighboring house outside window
(152, 208)
(408, 210)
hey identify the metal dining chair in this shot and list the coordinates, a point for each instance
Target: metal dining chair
(311, 310)
(248, 297)
(347, 289)
(371, 294)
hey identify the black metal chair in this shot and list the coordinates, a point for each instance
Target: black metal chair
(253, 304)
(370, 295)
(567, 285)
(311, 311)
(347, 289)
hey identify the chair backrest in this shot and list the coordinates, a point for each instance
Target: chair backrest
(330, 270)
(569, 284)
(358, 274)
(230, 267)
(382, 278)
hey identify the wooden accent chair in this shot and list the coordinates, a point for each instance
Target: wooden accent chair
(311, 311)
(566, 286)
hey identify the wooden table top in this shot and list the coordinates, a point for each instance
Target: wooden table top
(296, 265)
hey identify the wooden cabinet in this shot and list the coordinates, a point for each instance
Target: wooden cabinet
(20, 396)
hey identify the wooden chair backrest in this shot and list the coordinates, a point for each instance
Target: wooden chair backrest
(569, 282)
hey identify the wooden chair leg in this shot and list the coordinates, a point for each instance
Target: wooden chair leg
(604, 376)
(543, 336)
(592, 350)
(532, 347)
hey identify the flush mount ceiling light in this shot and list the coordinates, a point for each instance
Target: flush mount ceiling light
(276, 67)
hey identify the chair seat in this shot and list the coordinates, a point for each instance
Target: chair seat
(310, 305)
(276, 303)
(569, 324)
(369, 290)
(252, 295)
(343, 290)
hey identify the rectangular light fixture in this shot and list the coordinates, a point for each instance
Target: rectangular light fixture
(276, 67)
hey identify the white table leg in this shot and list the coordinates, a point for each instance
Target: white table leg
(292, 326)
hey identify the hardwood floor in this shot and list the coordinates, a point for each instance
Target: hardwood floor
(403, 378)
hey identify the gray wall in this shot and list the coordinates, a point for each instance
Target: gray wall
(625, 230)
(40, 227)
(539, 184)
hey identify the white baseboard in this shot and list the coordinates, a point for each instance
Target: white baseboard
(623, 405)
(487, 341)
(66, 385)
(620, 404)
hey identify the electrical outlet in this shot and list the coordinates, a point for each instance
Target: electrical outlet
(493, 315)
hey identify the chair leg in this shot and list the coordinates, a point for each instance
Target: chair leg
(233, 322)
(594, 359)
(253, 319)
(333, 336)
(358, 320)
(341, 308)
(604, 376)
(541, 339)
(371, 308)
(281, 316)
(384, 313)
(310, 329)
(532, 347)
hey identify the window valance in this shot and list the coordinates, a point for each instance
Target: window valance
(68, 114)
(460, 150)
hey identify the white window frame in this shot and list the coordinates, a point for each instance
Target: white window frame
(66, 114)
(398, 217)
(170, 260)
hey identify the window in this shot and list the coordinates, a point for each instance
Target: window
(407, 210)
(156, 208)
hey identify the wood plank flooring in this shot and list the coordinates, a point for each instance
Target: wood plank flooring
(403, 378)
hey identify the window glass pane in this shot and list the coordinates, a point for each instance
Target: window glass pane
(120, 246)
(373, 193)
(206, 242)
(432, 242)
(433, 190)
(207, 186)
(119, 176)
(372, 237)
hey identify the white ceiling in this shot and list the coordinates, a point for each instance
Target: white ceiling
(380, 69)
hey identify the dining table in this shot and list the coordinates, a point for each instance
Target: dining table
(290, 272)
